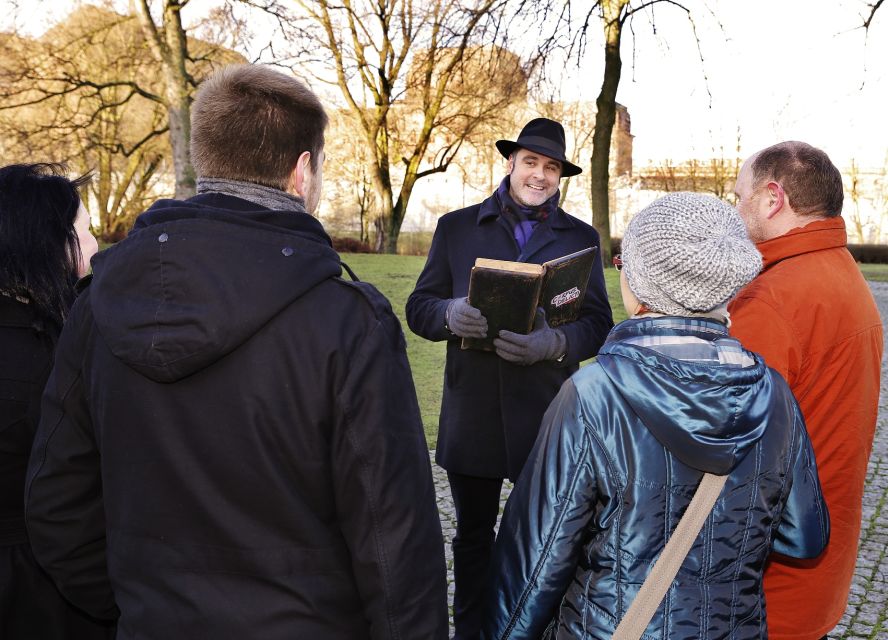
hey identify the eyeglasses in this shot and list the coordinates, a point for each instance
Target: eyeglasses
(618, 261)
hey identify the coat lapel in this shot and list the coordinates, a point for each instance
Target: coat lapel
(541, 237)
(544, 235)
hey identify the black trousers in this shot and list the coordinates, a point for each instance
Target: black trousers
(476, 502)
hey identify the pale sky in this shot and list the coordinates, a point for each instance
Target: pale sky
(777, 69)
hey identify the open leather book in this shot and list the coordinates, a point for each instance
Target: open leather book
(508, 293)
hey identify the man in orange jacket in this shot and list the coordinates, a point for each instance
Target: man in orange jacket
(811, 315)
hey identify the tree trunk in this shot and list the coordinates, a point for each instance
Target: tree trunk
(382, 221)
(399, 212)
(370, 44)
(180, 141)
(178, 93)
(392, 232)
(388, 227)
(169, 45)
(103, 194)
(605, 116)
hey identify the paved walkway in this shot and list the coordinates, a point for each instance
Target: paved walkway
(867, 613)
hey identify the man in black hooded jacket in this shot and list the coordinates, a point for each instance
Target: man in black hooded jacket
(230, 444)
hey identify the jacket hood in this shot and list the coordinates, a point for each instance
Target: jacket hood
(708, 415)
(195, 279)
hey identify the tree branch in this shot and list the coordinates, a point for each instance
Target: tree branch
(873, 9)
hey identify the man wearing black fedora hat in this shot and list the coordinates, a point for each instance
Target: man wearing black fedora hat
(493, 402)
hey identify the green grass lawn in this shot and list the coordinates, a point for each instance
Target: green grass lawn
(395, 277)
(877, 272)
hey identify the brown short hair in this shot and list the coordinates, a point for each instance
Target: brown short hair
(252, 123)
(811, 181)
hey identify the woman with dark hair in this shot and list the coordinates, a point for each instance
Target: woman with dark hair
(45, 246)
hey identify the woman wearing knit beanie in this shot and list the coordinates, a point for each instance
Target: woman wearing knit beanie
(625, 444)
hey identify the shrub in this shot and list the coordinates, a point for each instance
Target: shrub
(869, 253)
(414, 243)
(350, 245)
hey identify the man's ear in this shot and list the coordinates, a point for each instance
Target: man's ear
(511, 164)
(776, 198)
(297, 177)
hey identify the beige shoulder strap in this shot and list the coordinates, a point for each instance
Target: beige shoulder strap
(661, 576)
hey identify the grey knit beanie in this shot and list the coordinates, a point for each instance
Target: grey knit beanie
(686, 252)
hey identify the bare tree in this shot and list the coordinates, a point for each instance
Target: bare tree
(416, 80)
(89, 92)
(867, 191)
(713, 175)
(880, 199)
(873, 8)
(853, 189)
(59, 70)
(349, 197)
(104, 128)
(571, 33)
(168, 44)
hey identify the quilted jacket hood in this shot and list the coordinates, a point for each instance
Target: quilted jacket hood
(707, 415)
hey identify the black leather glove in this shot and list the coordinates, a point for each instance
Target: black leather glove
(464, 320)
(542, 343)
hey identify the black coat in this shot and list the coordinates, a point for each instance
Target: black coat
(231, 445)
(25, 359)
(30, 605)
(491, 409)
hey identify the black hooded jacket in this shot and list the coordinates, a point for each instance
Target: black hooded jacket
(230, 444)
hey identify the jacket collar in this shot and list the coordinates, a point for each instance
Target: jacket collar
(220, 207)
(699, 327)
(822, 234)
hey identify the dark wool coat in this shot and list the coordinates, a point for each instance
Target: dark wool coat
(491, 409)
(30, 605)
(230, 444)
(25, 361)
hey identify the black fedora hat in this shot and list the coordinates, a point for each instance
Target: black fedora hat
(543, 136)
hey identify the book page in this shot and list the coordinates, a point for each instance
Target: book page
(508, 265)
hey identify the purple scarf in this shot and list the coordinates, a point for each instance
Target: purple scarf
(523, 220)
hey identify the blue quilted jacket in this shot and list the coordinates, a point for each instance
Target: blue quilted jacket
(621, 451)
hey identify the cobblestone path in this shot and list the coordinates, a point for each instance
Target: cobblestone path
(867, 612)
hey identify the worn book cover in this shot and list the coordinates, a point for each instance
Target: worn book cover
(508, 293)
(505, 293)
(564, 285)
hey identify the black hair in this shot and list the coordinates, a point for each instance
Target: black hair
(39, 248)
